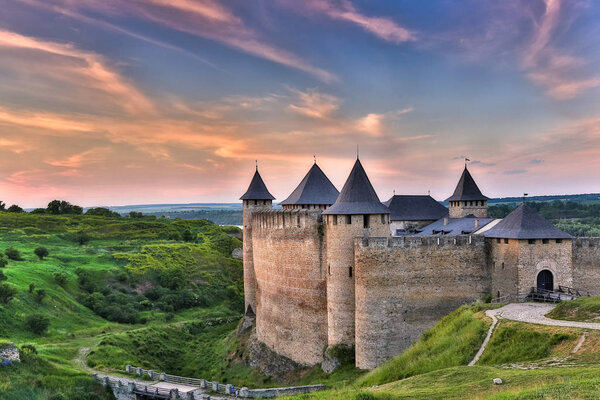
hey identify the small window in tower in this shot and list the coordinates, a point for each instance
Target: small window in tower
(531, 241)
(505, 241)
(335, 219)
(348, 219)
(329, 270)
(365, 221)
(298, 220)
(498, 241)
(498, 294)
(545, 241)
(255, 202)
(502, 265)
(382, 219)
(494, 265)
(350, 272)
(558, 240)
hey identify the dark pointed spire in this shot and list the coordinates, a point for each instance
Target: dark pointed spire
(315, 188)
(466, 189)
(257, 189)
(525, 223)
(357, 195)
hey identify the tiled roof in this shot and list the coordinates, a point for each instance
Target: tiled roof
(415, 208)
(315, 188)
(525, 223)
(357, 195)
(257, 189)
(466, 189)
(454, 226)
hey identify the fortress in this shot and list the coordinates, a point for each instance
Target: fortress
(344, 269)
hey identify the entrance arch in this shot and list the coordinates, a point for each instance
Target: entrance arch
(545, 280)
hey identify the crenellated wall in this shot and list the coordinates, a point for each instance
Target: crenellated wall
(289, 265)
(404, 285)
(586, 265)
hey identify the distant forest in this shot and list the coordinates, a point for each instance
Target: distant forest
(219, 217)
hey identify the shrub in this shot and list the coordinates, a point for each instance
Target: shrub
(61, 278)
(40, 294)
(41, 252)
(169, 317)
(82, 238)
(187, 236)
(28, 349)
(31, 287)
(102, 212)
(2, 276)
(364, 396)
(14, 209)
(37, 323)
(3, 261)
(13, 254)
(6, 293)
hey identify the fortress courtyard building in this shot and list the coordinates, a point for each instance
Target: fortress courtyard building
(333, 270)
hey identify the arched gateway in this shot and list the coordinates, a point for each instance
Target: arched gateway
(545, 280)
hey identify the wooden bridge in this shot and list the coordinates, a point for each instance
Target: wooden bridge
(553, 296)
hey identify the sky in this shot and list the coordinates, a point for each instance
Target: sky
(112, 102)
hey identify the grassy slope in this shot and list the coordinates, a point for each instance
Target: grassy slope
(582, 309)
(453, 341)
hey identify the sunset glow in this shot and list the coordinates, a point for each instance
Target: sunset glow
(172, 101)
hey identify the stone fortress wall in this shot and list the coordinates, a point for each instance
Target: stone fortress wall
(586, 265)
(404, 285)
(290, 268)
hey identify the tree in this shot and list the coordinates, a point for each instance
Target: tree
(187, 236)
(41, 252)
(63, 207)
(38, 211)
(39, 295)
(135, 214)
(102, 212)
(15, 209)
(82, 238)
(2, 276)
(6, 293)
(2, 206)
(37, 323)
(60, 278)
(13, 254)
(31, 287)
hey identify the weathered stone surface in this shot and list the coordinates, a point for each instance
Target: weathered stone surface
(586, 265)
(497, 381)
(9, 351)
(268, 361)
(238, 253)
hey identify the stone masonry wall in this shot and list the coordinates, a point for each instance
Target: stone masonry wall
(404, 285)
(465, 208)
(290, 270)
(553, 256)
(586, 265)
(341, 271)
(504, 268)
(250, 206)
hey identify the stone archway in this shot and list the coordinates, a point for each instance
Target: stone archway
(545, 280)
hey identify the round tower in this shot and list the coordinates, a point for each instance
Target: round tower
(467, 199)
(256, 198)
(357, 212)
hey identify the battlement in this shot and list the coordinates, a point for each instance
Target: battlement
(586, 242)
(285, 219)
(410, 242)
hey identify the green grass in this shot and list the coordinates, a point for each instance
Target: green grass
(585, 309)
(517, 342)
(453, 341)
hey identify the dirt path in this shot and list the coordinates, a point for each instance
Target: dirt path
(487, 338)
(534, 313)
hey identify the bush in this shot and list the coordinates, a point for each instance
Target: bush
(41, 252)
(61, 278)
(15, 209)
(102, 212)
(82, 238)
(6, 293)
(28, 349)
(31, 287)
(40, 294)
(2, 276)
(187, 236)
(364, 396)
(3, 261)
(57, 207)
(37, 323)
(13, 254)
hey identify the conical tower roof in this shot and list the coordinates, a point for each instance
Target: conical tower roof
(315, 188)
(466, 189)
(257, 189)
(525, 223)
(357, 195)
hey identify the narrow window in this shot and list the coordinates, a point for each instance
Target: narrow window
(329, 270)
(545, 241)
(505, 241)
(365, 221)
(348, 219)
(298, 220)
(335, 219)
(497, 240)
(494, 265)
(502, 265)
(255, 202)
(558, 240)
(531, 241)
(350, 272)
(382, 219)
(498, 294)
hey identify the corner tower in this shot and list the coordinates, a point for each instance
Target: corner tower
(256, 198)
(467, 198)
(357, 212)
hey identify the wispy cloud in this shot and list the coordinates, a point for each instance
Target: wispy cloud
(315, 104)
(344, 10)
